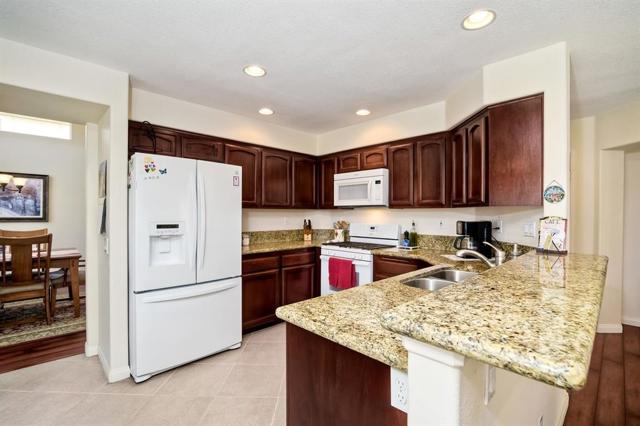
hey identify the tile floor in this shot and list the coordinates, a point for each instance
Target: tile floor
(240, 387)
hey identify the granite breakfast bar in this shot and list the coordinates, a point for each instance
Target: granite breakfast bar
(534, 318)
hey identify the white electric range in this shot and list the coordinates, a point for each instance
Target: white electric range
(364, 239)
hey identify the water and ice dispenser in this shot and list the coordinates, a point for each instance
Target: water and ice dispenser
(167, 244)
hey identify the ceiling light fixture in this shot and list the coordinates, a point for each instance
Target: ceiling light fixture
(265, 111)
(478, 19)
(254, 71)
(363, 112)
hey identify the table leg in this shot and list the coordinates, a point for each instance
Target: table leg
(75, 286)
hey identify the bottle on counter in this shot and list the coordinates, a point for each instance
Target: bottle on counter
(413, 235)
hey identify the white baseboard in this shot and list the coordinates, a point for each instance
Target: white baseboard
(90, 350)
(631, 321)
(113, 375)
(609, 328)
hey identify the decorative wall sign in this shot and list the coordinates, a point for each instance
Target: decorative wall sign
(23, 197)
(554, 193)
(553, 235)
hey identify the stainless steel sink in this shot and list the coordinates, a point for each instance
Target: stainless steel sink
(431, 284)
(439, 279)
(452, 275)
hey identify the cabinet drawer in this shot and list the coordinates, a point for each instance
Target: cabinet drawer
(258, 264)
(298, 258)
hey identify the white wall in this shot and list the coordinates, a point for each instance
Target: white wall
(36, 69)
(170, 112)
(631, 265)
(63, 161)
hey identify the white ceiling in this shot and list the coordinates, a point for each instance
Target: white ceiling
(325, 59)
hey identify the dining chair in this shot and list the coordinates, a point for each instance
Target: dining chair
(22, 283)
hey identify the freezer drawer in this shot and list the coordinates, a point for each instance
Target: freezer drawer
(171, 327)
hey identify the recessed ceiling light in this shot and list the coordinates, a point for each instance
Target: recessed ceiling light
(478, 19)
(265, 111)
(255, 71)
(363, 112)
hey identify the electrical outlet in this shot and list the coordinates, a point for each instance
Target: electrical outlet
(497, 226)
(399, 390)
(541, 421)
(441, 224)
(529, 229)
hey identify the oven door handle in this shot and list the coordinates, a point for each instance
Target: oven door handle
(355, 262)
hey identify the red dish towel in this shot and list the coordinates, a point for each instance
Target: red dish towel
(342, 273)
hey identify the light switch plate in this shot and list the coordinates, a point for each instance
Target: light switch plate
(529, 229)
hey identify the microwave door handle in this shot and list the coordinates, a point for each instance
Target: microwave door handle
(369, 187)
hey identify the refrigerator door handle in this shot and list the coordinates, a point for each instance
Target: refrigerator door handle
(202, 221)
(159, 299)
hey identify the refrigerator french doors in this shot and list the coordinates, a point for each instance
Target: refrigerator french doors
(184, 261)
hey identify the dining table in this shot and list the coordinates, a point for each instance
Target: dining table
(65, 258)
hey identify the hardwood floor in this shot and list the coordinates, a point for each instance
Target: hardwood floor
(611, 396)
(42, 350)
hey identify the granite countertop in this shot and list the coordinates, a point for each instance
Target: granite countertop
(267, 247)
(534, 315)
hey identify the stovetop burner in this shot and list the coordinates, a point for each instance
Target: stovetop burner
(356, 245)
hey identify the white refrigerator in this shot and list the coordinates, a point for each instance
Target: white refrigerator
(185, 296)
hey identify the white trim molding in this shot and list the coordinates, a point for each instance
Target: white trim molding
(609, 328)
(631, 321)
(113, 375)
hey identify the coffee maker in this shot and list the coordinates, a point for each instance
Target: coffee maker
(472, 236)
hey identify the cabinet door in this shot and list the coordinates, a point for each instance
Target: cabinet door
(374, 158)
(477, 162)
(458, 167)
(401, 175)
(431, 176)
(386, 267)
(304, 182)
(276, 179)
(202, 148)
(166, 142)
(260, 298)
(298, 283)
(250, 159)
(328, 167)
(349, 162)
(515, 153)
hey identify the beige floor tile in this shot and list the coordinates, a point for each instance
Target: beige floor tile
(31, 378)
(257, 353)
(35, 408)
(273, 334)
(280, 417)
(171, 411)
(78, 376)
(128, 386)
(102, 410)
(232, 411)
(226, 357)
(196, 380)
(253, 380)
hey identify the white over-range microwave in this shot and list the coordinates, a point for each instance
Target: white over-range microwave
(365, 188)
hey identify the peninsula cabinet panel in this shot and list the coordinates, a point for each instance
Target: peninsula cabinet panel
(250, 159)
(304, 194)
(276, 179)
(298, 283)
(349, 162)
(201, 148)
(260, 298)
(515, 153)
(386, 267)
(140, 140)
(477, 161)
(401, 175)
(458, 167)
(431, 176)
(374, 158)
(328, 167)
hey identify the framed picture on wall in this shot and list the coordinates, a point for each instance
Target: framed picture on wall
(24, 197)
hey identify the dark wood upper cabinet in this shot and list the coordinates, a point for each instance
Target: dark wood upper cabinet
(431, 176)
(401, 174)
(458, 167)
(303, 192)
(374, 158)
(349, 162)
(202, 148)
(140, 140)
(516, 153)
(250, 159)
(276, 179)
(477, 161)
(328, 167)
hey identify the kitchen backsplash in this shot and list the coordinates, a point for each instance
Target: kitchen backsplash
(257, 237)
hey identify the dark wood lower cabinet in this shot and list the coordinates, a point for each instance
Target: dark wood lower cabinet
(298, 283)
(260, 298)
(330, 385)
(387, 266)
